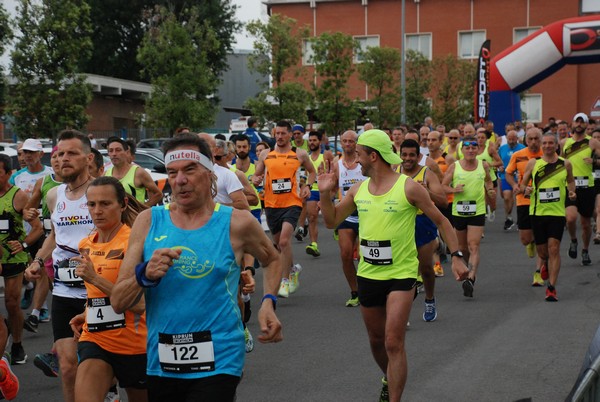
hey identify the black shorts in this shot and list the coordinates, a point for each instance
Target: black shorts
(447, 212)
(276, 217)
(585, 202)
(545, 227)
(11, 270)
(373, 293)
(63, 310)
(523, 218)
(130, 370)
(461, 222)
(349, 225)
(217, 388)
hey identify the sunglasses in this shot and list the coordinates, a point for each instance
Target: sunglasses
(470, 144)
(219, 157)
(453, 138)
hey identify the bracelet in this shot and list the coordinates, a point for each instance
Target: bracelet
(273, 299)
(39, 260)
(251, 269)
(140, 276)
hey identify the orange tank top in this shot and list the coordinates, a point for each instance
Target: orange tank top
(281, 180)
(116, 333)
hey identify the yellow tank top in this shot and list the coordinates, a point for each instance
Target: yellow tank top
(249, 173)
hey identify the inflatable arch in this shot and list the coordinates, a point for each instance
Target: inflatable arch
(519, 67)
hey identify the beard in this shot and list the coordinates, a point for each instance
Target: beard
(313, 148)
(70, 177)
(242, 155)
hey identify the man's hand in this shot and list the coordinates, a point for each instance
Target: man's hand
(248, 282)
(270, 326)
(76, 324)
(459, 269)
(33, 271)
(160, 262)
(30, 214)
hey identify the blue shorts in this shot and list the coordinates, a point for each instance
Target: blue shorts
(314, 196)
(504, 184)
(425, 230)
(256, 213)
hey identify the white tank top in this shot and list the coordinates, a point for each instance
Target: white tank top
(72, 222)
(347, 178)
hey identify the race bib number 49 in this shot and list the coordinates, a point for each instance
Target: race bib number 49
(186, 353)
(376, 252)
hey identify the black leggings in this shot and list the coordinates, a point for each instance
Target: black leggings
(218, 388)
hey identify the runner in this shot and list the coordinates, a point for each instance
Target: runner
(185, 258)
(505, 152)
(549, 175)
(388, 267)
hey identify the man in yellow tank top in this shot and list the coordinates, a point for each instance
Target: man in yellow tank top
(387, 203)
(283, 196)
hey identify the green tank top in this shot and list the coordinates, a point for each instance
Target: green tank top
(485, 156)
(249, 174)
(387, 233)
(420, 178)
(471, 201)
(316, 164)
(128, 182)
(549, 183)
(11, 228)
(575, 152)
(48, 183)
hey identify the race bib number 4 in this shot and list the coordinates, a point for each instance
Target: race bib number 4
(281, 186)
(186, 353)
(100, 315)
(466, 208)
(549, 195)
(581, 181)
(376, 252)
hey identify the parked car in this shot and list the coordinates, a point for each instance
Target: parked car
(155, 143)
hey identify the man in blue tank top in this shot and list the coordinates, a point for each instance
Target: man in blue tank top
(185, 258)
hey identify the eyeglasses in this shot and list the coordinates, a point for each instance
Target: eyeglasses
(473, 144)
(453, 138)
(219, 157)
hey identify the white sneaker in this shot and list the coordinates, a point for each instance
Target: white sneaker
(113, 396)
(284, 288)
(295, 278)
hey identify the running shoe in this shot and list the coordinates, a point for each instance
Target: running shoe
(336, 235)
(305, 231)
(508, 224)
(585, 258)
(31, 323)
(573, 249)
(27, 298)
(597, 238)
(544, 270)
(48, 363)
(419, 285)
(353, 302)
(467, 286)
(490, 215)
(437, 268)
(313, 249)
(299, 233)
(294, 282)
(430, 313)
(530, 248)
(17, 354)
(113, 395)
(44, 315)
(384, 396)
(249, 340)
(551, 295)
(10, 385)
(284, 288)
(537, 279)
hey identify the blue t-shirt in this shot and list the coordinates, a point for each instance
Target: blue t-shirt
(505, 152)
(254, 138)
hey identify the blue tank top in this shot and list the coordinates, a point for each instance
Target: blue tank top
(194, 322)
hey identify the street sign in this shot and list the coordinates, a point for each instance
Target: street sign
(596, 108)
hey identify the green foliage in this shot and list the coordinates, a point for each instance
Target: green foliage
(175, 54)
(453, 80)
(50, 94)
(380, 70)
(5, 37)
(333, 59)
(418, 85)
(286, 101)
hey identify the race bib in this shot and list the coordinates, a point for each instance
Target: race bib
(581, 181)
(4, 226)
(596, 174)
(549, 195)
(281, 186)
(100, 315)
(466, 208)
(186, 353)
(47, 223)
(376, 252)
(66, 274)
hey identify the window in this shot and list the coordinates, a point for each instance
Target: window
(307, 53)
(419, 42)
(522, 33)
(365, 42)
(469, 44)
(531, 108)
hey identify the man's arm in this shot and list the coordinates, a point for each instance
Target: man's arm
(238, 200)
(36, 195)
(334, 215)
(249, 191)
(310, 170)
(434, 167)
(436, 191)
(19, 202)
(570, 181)
(143, 179)
(527, 177)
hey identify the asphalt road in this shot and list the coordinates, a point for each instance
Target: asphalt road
(505, 344)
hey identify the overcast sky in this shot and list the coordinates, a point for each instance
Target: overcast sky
(247, 10)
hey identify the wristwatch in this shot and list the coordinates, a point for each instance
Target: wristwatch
(457, 253)
(25, 245)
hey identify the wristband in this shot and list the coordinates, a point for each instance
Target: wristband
(25, 245)
(251, 269)
(273, 299)
(140, 276)
(40, 261)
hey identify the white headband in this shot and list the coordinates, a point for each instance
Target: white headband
(188, 155)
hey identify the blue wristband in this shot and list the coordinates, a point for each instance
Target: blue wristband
(140, 276)
(273, 299)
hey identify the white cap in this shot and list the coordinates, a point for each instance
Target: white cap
(31, 144)
(582, 116)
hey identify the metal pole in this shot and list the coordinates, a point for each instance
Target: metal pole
(402, 70)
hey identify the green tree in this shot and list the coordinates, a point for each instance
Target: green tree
(333, 59)
(277, 52)
(50, 94)
(5, 37)
(175, 55)
(380, 70)
(418, 86)
(453, 81)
